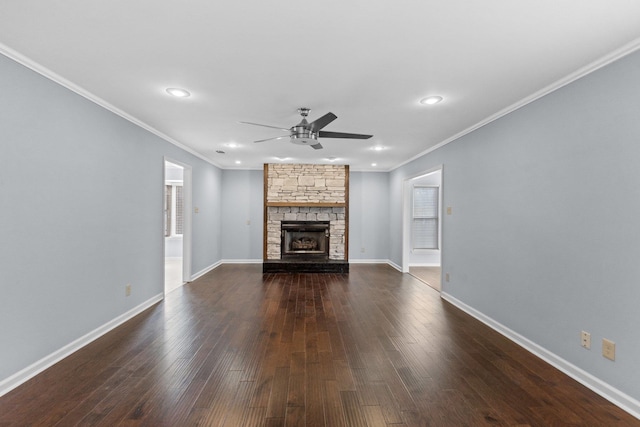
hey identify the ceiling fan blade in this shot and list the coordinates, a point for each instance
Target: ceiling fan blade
(269, 139)
(318, 124)
(324, 134)
(317, 146)
(266, 126)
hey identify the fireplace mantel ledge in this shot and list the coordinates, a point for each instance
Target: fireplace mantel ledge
(306, 204)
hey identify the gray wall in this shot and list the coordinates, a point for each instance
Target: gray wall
(206, 235)
(242, 195)
(242, 201)
(368, 215)
(81, 216)
(544, 235)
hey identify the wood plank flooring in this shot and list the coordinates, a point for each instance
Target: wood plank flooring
(239, 348)
(429, 275)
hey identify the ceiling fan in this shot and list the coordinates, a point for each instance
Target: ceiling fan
(305, 133)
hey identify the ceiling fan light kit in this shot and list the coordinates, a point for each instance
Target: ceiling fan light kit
(305, 133)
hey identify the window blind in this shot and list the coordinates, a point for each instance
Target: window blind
(425, 217)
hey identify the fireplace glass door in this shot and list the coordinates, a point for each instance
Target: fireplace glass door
(305, 239)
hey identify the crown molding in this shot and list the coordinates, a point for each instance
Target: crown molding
(47, 73)
(613, 56)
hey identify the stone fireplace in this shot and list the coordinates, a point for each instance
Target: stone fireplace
(314, 199)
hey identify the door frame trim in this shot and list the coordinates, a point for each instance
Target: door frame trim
(406, 210)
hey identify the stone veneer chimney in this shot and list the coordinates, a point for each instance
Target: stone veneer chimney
(298, 192)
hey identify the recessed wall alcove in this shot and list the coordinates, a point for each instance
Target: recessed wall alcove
(313, 196)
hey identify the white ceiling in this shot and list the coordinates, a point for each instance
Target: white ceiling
(369, 62)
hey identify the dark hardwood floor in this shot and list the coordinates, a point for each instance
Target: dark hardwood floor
(239, 348)
(429, 275)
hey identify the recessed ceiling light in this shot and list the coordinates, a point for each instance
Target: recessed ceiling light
(430, 100)
(374, 164)
(378, 148)
(332, 159)
(238, 162)
(231, 145)
(177, 92)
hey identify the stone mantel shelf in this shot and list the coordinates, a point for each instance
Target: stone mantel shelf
(306, 204)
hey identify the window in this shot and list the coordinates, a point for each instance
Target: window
(179, 200)
(424, 225)
(173, 210)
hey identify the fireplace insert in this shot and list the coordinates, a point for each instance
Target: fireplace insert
(305, 240)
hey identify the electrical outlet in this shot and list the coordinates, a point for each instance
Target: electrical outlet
(449, 210)
(362, 249)
(585, 339)
(446, 277)
(608, 349)
(127, 289)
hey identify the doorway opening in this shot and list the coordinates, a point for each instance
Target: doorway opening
(177, 224)
(422, 227)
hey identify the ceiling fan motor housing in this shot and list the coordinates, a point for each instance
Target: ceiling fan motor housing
(302, 135)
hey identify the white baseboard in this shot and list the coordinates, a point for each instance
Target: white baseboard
(34, 369)
(394, 265)
(205, 270)
(615, 396)
(260, 261)
(368, 261)
(223, 261)
(242, 261)
(375, 261)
